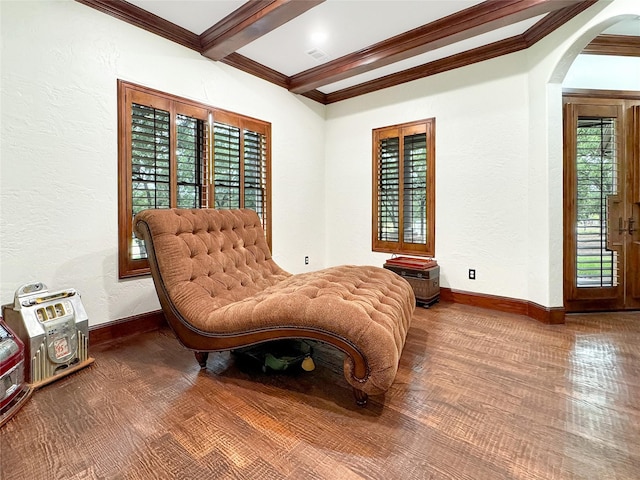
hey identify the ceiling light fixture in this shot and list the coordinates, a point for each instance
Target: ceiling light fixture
(318, 37)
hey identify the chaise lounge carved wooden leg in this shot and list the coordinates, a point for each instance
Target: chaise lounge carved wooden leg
(201, 357)
(361, 397)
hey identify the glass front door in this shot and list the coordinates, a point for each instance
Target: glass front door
(601, 239)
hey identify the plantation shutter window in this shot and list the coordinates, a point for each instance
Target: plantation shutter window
(191, 161)
(149, 165)
(255, 173)
(226, 166)
(240, 165)
(166, 155)
(404, 193)
(388, 189)
(415, 188)
(163, 158)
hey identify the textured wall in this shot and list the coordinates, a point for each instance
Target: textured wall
(498, 167)
(60, 64)
(601, 71)
(499, 154)
(481, 176)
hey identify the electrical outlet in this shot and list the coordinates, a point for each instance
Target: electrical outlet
(306, 260)
(472, 274)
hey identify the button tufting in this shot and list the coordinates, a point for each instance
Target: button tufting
(368, 295)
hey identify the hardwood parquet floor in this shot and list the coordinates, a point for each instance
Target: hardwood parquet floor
(479, 395)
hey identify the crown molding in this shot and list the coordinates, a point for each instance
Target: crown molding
(623, 45)
(256, 69)
(146, 20)
(589, 93)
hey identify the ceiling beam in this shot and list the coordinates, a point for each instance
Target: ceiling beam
(249, 22)
(502, 47)
(256, 69)
(555, 20)
(468, 23)
(462, 59)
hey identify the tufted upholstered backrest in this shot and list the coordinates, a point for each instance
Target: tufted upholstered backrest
(209, 258)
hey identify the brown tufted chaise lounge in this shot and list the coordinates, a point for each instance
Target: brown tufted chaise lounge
(220, 289)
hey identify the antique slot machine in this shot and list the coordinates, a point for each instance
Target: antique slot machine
(54, 329)
(14, 390)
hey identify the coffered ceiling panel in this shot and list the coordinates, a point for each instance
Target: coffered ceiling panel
(331, 50)
(341, 27)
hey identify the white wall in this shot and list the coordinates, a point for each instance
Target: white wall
(498, 167)
(602, 72)
(58, 171)
(498, 149)
(481, 181)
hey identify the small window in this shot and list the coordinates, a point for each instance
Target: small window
(177, 153)
(404, 188)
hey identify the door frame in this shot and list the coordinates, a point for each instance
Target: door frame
(624, 296)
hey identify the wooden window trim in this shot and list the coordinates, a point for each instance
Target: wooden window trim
(129, 93)
(401, 247)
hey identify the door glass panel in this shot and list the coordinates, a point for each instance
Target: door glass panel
(597, 179)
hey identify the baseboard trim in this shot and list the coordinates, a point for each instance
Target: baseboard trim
(551, 316)
(145, 322)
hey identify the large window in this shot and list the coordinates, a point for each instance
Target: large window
(174, 152)
(404, 188)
